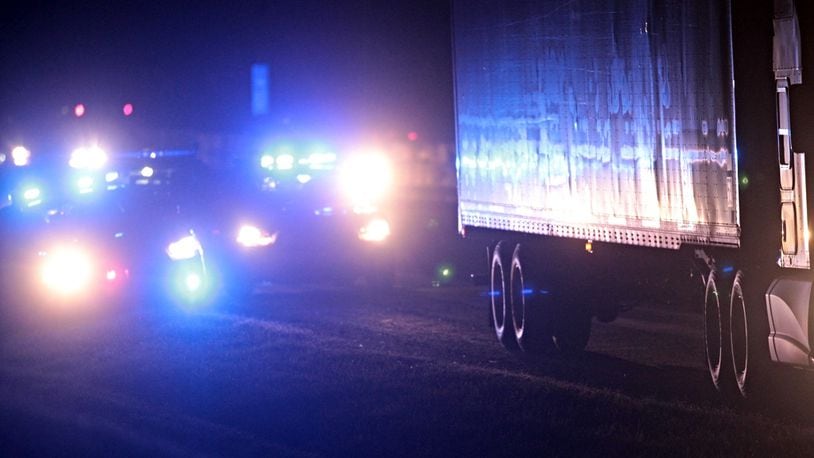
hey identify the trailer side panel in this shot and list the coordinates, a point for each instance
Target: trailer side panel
(603, 120)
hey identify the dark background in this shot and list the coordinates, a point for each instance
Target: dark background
(358, 65)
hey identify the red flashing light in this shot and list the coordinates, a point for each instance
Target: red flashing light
(127, 109)
(79, 110)
(412, 136)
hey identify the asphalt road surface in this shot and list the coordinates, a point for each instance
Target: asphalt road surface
(329, 370)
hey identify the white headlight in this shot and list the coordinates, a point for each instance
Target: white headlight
(251, 237)
(185, 248)
(92, 157)
(20, 156)
(367, 179)
(377, 230)
(67, 270)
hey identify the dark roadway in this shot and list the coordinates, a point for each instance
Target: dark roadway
(326, 369)
(323, 370)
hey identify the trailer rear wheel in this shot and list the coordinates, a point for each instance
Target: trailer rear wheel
(529, 303)
(748, 331)
(498, 296)
(716, 335)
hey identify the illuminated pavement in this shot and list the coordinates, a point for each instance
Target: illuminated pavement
(327, 370)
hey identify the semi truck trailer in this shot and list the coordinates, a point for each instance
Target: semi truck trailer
(609, 150)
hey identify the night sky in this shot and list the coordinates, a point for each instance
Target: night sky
(363, 65)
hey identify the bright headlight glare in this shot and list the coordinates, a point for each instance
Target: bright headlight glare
(185, 248)
(20, 156)
(267, 161)
(367, 179)
(67, 270)
(376, 230)
(92, 157)
(251, 236)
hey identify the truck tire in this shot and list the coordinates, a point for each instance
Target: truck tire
(530, 303)
(716, 334)
(748, 330)
(498, 297)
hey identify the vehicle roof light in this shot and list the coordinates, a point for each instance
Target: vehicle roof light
(285, 162)
(267, 161)
(321, 160)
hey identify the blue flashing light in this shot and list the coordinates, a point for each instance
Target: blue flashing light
(727, 269)
(528, 292)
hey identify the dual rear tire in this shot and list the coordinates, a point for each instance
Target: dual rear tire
(735, 328)
(525, 313)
